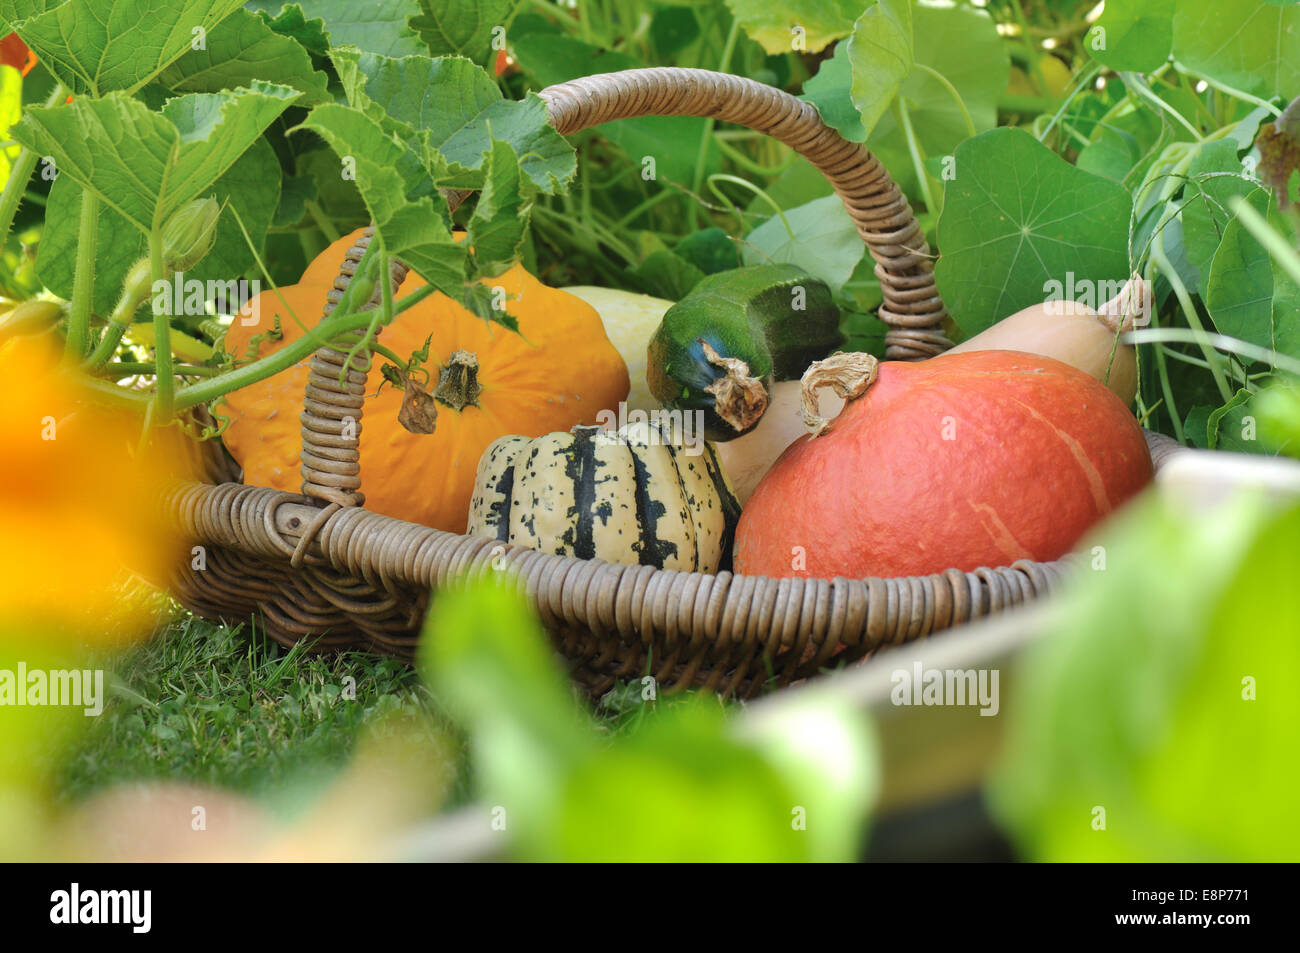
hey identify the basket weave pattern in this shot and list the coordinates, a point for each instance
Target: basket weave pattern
(319, 566)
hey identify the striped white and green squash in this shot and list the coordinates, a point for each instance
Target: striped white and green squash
(626, 497)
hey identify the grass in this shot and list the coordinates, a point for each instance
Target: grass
(226, 706)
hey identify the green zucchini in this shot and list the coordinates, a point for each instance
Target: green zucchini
(720, 349)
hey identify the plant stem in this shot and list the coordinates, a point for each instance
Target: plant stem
(702, 154)
(322, 221)
(1221, 342)
(118, 369)
(162, 332)
(914, 150)
(327, 332)
(83, 278)
(956, 96)
(21, 173)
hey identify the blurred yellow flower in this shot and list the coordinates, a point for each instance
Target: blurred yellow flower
(80, 513)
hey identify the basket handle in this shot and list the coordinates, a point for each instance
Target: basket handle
(912, 308)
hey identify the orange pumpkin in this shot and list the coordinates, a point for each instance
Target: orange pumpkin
(962, 461)
(559, 371)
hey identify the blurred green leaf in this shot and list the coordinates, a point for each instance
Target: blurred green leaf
(777, 27)
(680, 784)
(1163, 696)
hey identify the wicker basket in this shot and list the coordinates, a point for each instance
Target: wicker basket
(321, 567)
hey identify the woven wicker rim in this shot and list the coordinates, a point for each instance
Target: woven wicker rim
(320, 566)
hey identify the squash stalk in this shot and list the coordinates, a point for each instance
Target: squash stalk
(739, 398)
(458, 385)
(849, 375)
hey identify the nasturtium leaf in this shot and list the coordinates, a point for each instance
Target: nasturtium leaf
(803, 25)
(1232, 426)
(376, 26)
(414, 230)
(1133, 35)
(825, 242)
(1017, 216)
(144, 164)
(880, 53)
(830, 90)
(1214, 176)
(96, 47)
(1162, 693)
(1286, 292)
(1239, 286)
(962, 45)
(242, 48)
(1248, 44)
(463, 27)
(500, 219)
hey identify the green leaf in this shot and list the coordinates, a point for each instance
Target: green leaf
(880, 54)
(500, 219)
(807, 25)
(1227, 427)
(1214, 177)
(831, 92)
(664, 274)
(710, 249)
(1162, 693)
(376, 26)
(414, 230)
(672, 141)
(251, 186)
(673, 29)
(1017, 216)
(96, 50)
(119, 244)
(14, 12)
(146, 165)
(962, 45)
(1248, 44)
(1133, 35)
(292, 22)
(241, 49)
(295, 193)
(456, 122)
(825, 243)
(1239, 287)
(462, 27)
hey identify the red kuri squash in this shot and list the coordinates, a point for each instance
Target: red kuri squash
(962, 461)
